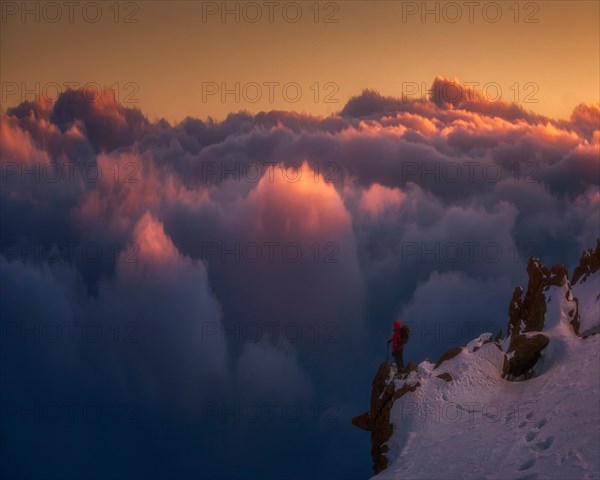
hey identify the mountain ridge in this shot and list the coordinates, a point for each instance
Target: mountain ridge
(544, 320)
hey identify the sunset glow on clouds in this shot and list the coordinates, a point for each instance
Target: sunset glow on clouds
(275, 217)
(376, 199)
(212, 212)
(283, 177)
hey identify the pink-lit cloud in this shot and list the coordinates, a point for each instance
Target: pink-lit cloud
(357, 188)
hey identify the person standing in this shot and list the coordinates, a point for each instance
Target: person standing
(399, 338)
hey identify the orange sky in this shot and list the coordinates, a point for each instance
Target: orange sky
(171, 54)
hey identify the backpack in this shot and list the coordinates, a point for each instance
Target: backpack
(405, 332)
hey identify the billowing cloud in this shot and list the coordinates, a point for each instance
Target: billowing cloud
(377, 199)
(262, 254)
(464, 306)
(270, 372)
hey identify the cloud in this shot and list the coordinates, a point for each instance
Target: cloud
(147, 325)
(586, 119)
(270, 372)
(450, 94)
(328, 226)
(106, 124)
(377, 199)
(464, 307)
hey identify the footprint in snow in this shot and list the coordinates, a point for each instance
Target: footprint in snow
(531, 434)
(527, 464)
(541, 423)
(544, 444)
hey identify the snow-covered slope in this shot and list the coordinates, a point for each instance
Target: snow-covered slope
(587, 292)
(480, 426)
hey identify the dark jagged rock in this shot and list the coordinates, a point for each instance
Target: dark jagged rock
(377, 419)
(515, 309)
(526, 314)
(445, 376)
(573, 313)
(411, 367)
(588, 263)
(451, 353)
(382, 399)
(363, 421)
(406, 389)
(527, 352)
(591, 331)
(498, 336)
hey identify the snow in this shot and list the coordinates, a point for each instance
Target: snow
(504, 343)
(480, 426)
(587, 291)
(559, 303)
(478, 342)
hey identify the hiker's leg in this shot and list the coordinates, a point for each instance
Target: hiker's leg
(400, 359)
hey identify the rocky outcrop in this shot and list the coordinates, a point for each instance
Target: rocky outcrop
(411, 367)
(451, 353)
(588, 263)
(363, 421)
(377, 419)
(573, 313)
(526, 352)
(406, 389)
(526, 313)
(382, 399)
(445, 376)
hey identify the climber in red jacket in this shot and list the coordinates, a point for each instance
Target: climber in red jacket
(399, 338)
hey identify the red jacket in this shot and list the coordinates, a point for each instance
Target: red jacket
(397, 340)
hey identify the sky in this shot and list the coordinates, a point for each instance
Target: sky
(200, 289)
(175, 51)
